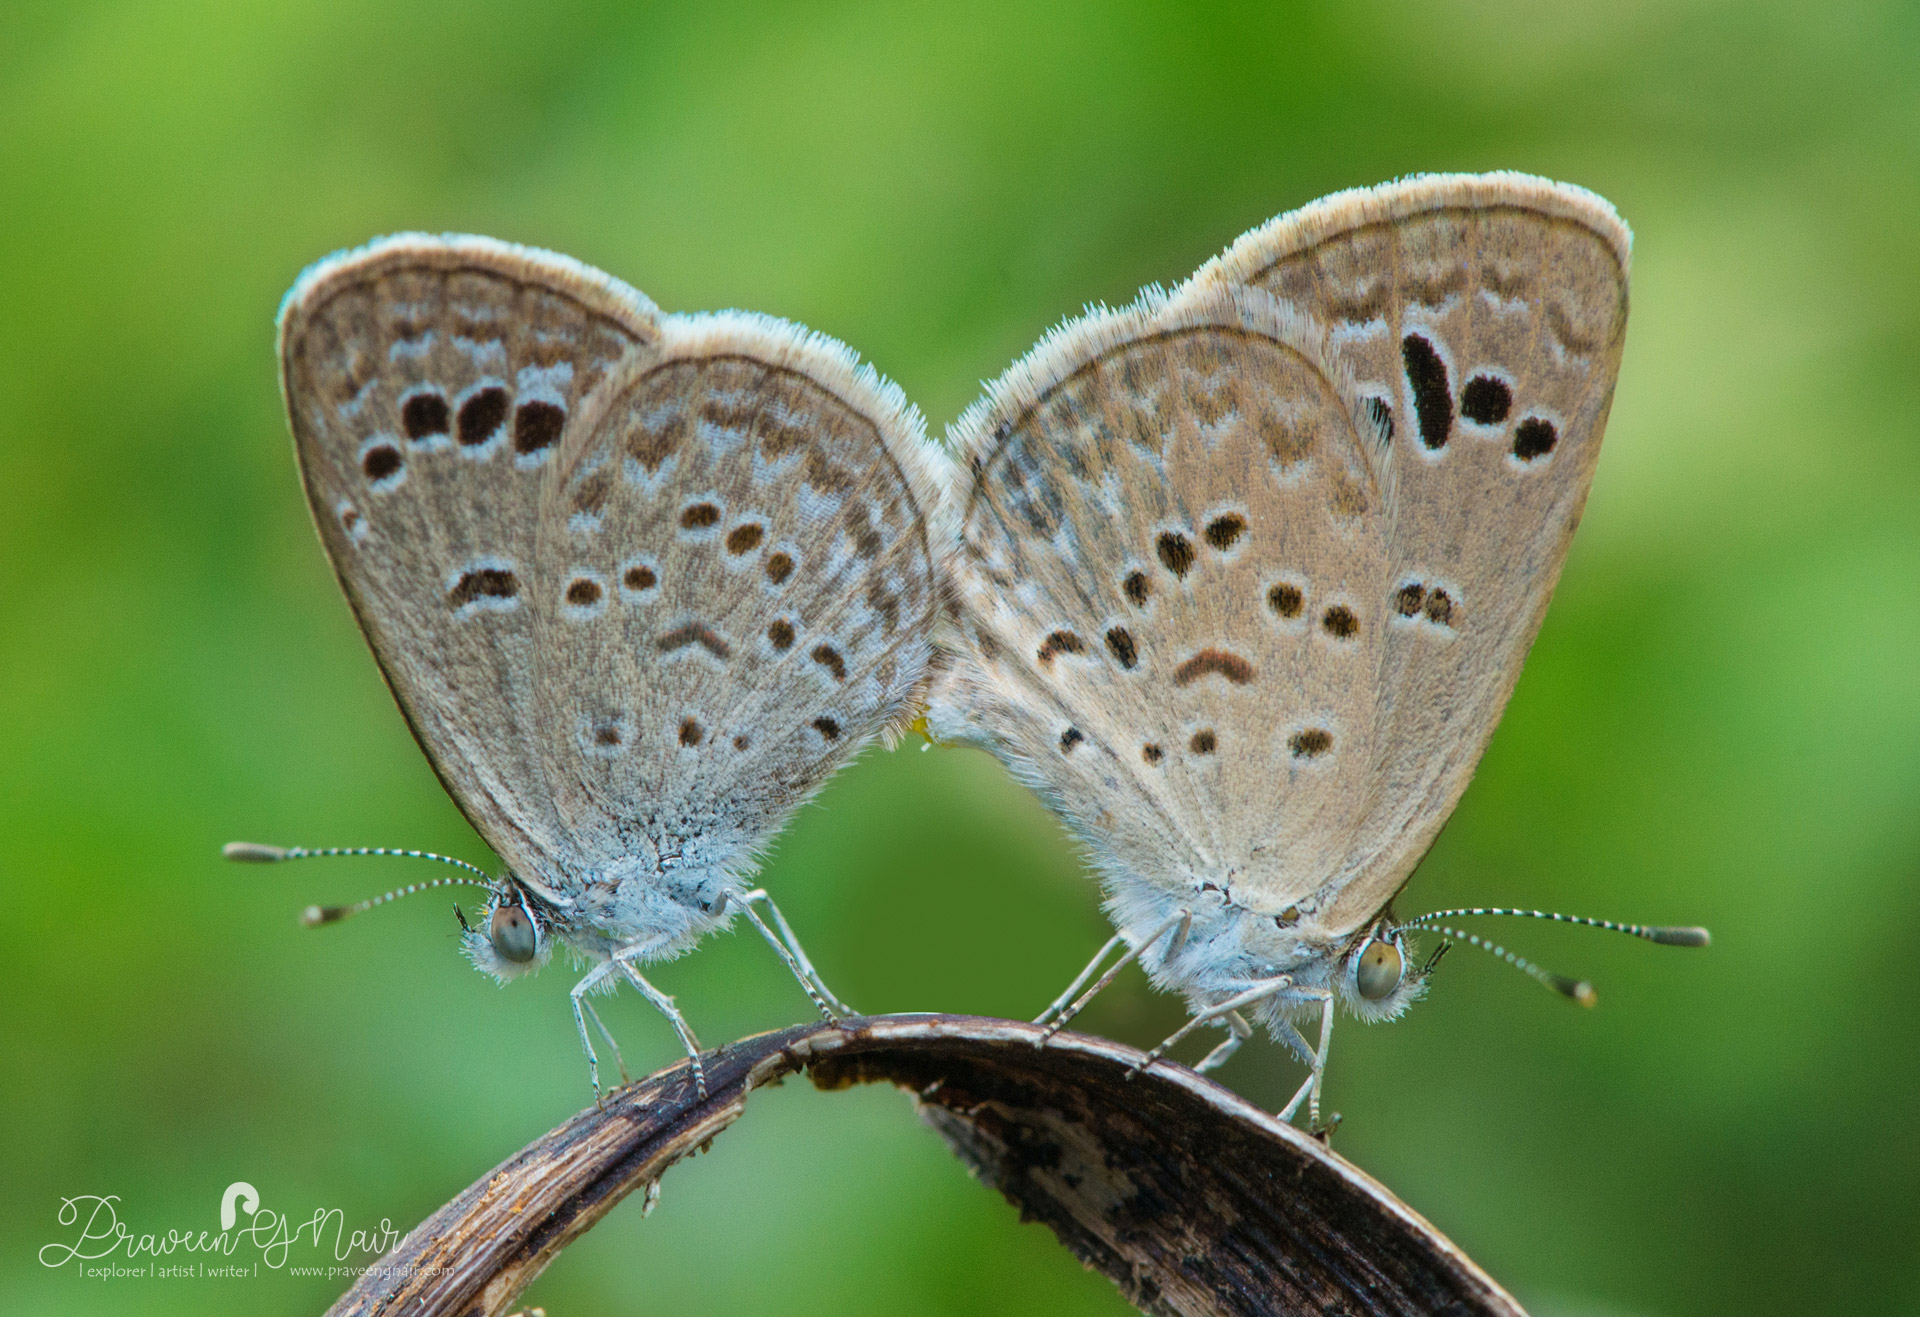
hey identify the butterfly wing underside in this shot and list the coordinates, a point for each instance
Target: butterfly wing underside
(429, 384)
(1173, 578)
(1483, 319)
(521, 471)
(746, 592)
(1287, 697)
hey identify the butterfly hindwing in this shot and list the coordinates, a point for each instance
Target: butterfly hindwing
(1173, 591)
(744, 588)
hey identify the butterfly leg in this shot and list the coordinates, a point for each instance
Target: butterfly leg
(588, 982)
(1080, 979)
(1238, 1031)
(1258, 992)
(1177, 923)
(1320, 1063)
(607, 1034)
(1310, 1090)
(664, 1004)
(788, 948)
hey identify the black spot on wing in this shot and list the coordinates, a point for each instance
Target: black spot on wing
(1059, 642)
(1214, 662)
(1223, 530)
(1309, 744)
(483, 583)
(1340, 622)
(481, 415)
(1176, 552)
(381, 462)
(424, 415)
(583, 592)
(1432, 396)
(1486, 400)
(695, 633)
(1286, 599)
(1534, 438)
(537, 425)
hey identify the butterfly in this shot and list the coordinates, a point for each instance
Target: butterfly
(640, 583)
(1248, 570)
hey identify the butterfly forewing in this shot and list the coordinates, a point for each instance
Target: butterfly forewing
(744, 591)
(1175, 589)
(431, 384)
(1483, 319)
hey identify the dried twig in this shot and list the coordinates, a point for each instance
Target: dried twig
(1189, 1198)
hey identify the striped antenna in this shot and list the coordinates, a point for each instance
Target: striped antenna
(247, 852)
(1665, 935)
(1578, 990)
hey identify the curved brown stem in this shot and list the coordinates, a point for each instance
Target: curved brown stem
(1187, 1197)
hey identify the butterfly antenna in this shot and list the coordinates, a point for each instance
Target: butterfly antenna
(247, 852)
(1578, 990)
(1666, 935)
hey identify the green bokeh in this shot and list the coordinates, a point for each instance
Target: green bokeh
(1720, 723)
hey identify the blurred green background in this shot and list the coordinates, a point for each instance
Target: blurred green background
(1719, 724)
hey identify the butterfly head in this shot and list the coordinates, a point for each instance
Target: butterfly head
(1377, 979)
(513, 936)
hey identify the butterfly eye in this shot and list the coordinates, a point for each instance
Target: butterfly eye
(513, 935)
(1380, 969)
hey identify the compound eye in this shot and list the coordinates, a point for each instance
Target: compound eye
(513, 935)
(1380, 969)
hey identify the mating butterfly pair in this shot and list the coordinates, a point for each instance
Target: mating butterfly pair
(1238, 578)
